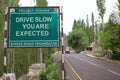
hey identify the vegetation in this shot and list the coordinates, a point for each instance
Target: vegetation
(42, 3)
(52, 72)
(93, 26)
(110, 37)
(111, 31)
(1, 37)
(101, 9)
(78, 38)
(82, 34)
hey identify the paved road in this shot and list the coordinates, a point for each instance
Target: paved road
(88, 68)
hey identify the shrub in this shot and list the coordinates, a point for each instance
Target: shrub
(116, 56)
(51, 72)
(42, 76)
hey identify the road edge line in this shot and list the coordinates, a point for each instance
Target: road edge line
(73, 69)
(91, 56)
(112, 61)
(113, 72)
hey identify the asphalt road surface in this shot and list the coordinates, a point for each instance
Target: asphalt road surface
(82, 67)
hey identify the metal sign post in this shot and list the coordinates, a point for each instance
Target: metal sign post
(62, 46)
(5, 43)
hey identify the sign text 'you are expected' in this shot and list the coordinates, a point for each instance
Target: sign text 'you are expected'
(39, 29)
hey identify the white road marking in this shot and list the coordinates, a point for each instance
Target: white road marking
(113, 72)
(92, 63)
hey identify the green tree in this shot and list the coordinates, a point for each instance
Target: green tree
(74, 24)
(118, 5)
(74, 39)
(93, 27)
(42, 3)
(78, 38)
(2, 14)
(87, 21)
(101, 9)
(110, 37)
(89, 31)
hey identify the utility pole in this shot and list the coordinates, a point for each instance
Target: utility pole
(4, 3)
(62, 46)
(5, 43)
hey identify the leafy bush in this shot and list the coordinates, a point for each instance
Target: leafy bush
(42, 76)
(116, 56)
(51, 72)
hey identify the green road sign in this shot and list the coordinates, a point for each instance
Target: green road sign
(33, 27)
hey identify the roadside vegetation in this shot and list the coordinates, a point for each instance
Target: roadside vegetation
(78, 39)
(107, 34)
(110, 35)
(3, 3)
(52, 71)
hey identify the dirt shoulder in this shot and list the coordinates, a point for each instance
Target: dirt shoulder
(94, 55)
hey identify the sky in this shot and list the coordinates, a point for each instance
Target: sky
(76, 9)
